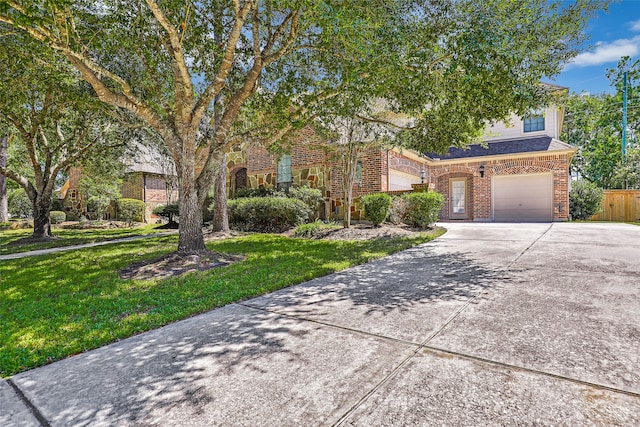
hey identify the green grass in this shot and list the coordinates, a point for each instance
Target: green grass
(59, 305)
(68, 237)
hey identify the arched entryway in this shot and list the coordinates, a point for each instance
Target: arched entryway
(240, 178)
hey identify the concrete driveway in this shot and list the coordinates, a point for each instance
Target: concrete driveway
(492, 324)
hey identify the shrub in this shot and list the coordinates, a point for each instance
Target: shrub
(312, 197)
(585, 199)
(397, 210)
(309, 230)
(266, 214)
(421, 209)
(169, 212)
(376, 207)
(208, 209)
(57, 217)
(98, 205)
(56, 204)
(19, 204)
(17, 225)
(257, 192)
(131, 210)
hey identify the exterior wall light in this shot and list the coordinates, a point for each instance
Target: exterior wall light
(482, 170)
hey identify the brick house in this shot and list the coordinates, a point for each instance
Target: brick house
(519, 173)
(150, 178)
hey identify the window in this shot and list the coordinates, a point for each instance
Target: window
(358, 178)
(284, 171)
(534, 122)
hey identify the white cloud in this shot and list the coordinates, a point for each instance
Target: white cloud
(635, 25)
(608, 52)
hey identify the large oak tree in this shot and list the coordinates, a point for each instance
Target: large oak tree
(454, 64)
(53, 120)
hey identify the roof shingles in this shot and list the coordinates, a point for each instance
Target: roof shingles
(496, 148)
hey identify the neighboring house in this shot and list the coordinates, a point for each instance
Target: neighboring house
(150, 178)
(519, 173)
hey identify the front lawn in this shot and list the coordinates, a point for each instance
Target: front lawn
(57, 305)
(68, 237)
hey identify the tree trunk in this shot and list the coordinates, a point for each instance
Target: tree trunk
(346, 221)
(4, 206)
(190, 238)
(220, 216)
(41, 217)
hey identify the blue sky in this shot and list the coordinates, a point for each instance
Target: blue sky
(613, 35)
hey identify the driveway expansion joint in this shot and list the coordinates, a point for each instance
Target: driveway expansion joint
(530, 370)
(32, 408)
(529, 247)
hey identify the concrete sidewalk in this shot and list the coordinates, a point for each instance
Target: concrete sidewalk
(82, 246)
(492, 324)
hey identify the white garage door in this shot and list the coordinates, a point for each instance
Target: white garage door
(523, 198)
(401, 181)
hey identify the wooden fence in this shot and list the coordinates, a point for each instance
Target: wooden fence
(620, 205)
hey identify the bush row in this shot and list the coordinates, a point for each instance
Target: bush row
(415, 209)
(266, 214)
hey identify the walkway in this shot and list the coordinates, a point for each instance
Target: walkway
(492, 324)
(81, 246)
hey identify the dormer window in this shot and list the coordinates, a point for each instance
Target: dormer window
(534, 122)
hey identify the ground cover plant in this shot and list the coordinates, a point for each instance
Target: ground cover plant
(68, 237)
(67, 303)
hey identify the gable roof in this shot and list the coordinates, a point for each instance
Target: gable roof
(509, 146)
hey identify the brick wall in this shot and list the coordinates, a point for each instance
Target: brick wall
(404, 164)
(479, 195)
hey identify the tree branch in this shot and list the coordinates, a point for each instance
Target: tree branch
(227, 62)
(293, 34)
(180, 70)
(20, 180)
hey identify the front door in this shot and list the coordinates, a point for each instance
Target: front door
(458, 190)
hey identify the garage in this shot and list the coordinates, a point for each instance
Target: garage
(523, 198)
(401, 181)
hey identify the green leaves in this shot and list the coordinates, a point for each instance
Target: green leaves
(593, 123)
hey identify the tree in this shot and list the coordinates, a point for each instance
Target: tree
(350, 136)
(54, 121)
(467, 61)
(594, 125)
(4, 207)
(101, 181)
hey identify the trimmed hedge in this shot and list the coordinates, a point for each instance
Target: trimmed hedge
(57, 217)
(266, 214)
(585, 200)
(376, 207)
(247, 192)
(131, 210)
(312, 197)
(421, 209)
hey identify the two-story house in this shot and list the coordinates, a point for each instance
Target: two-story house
(519, 173)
